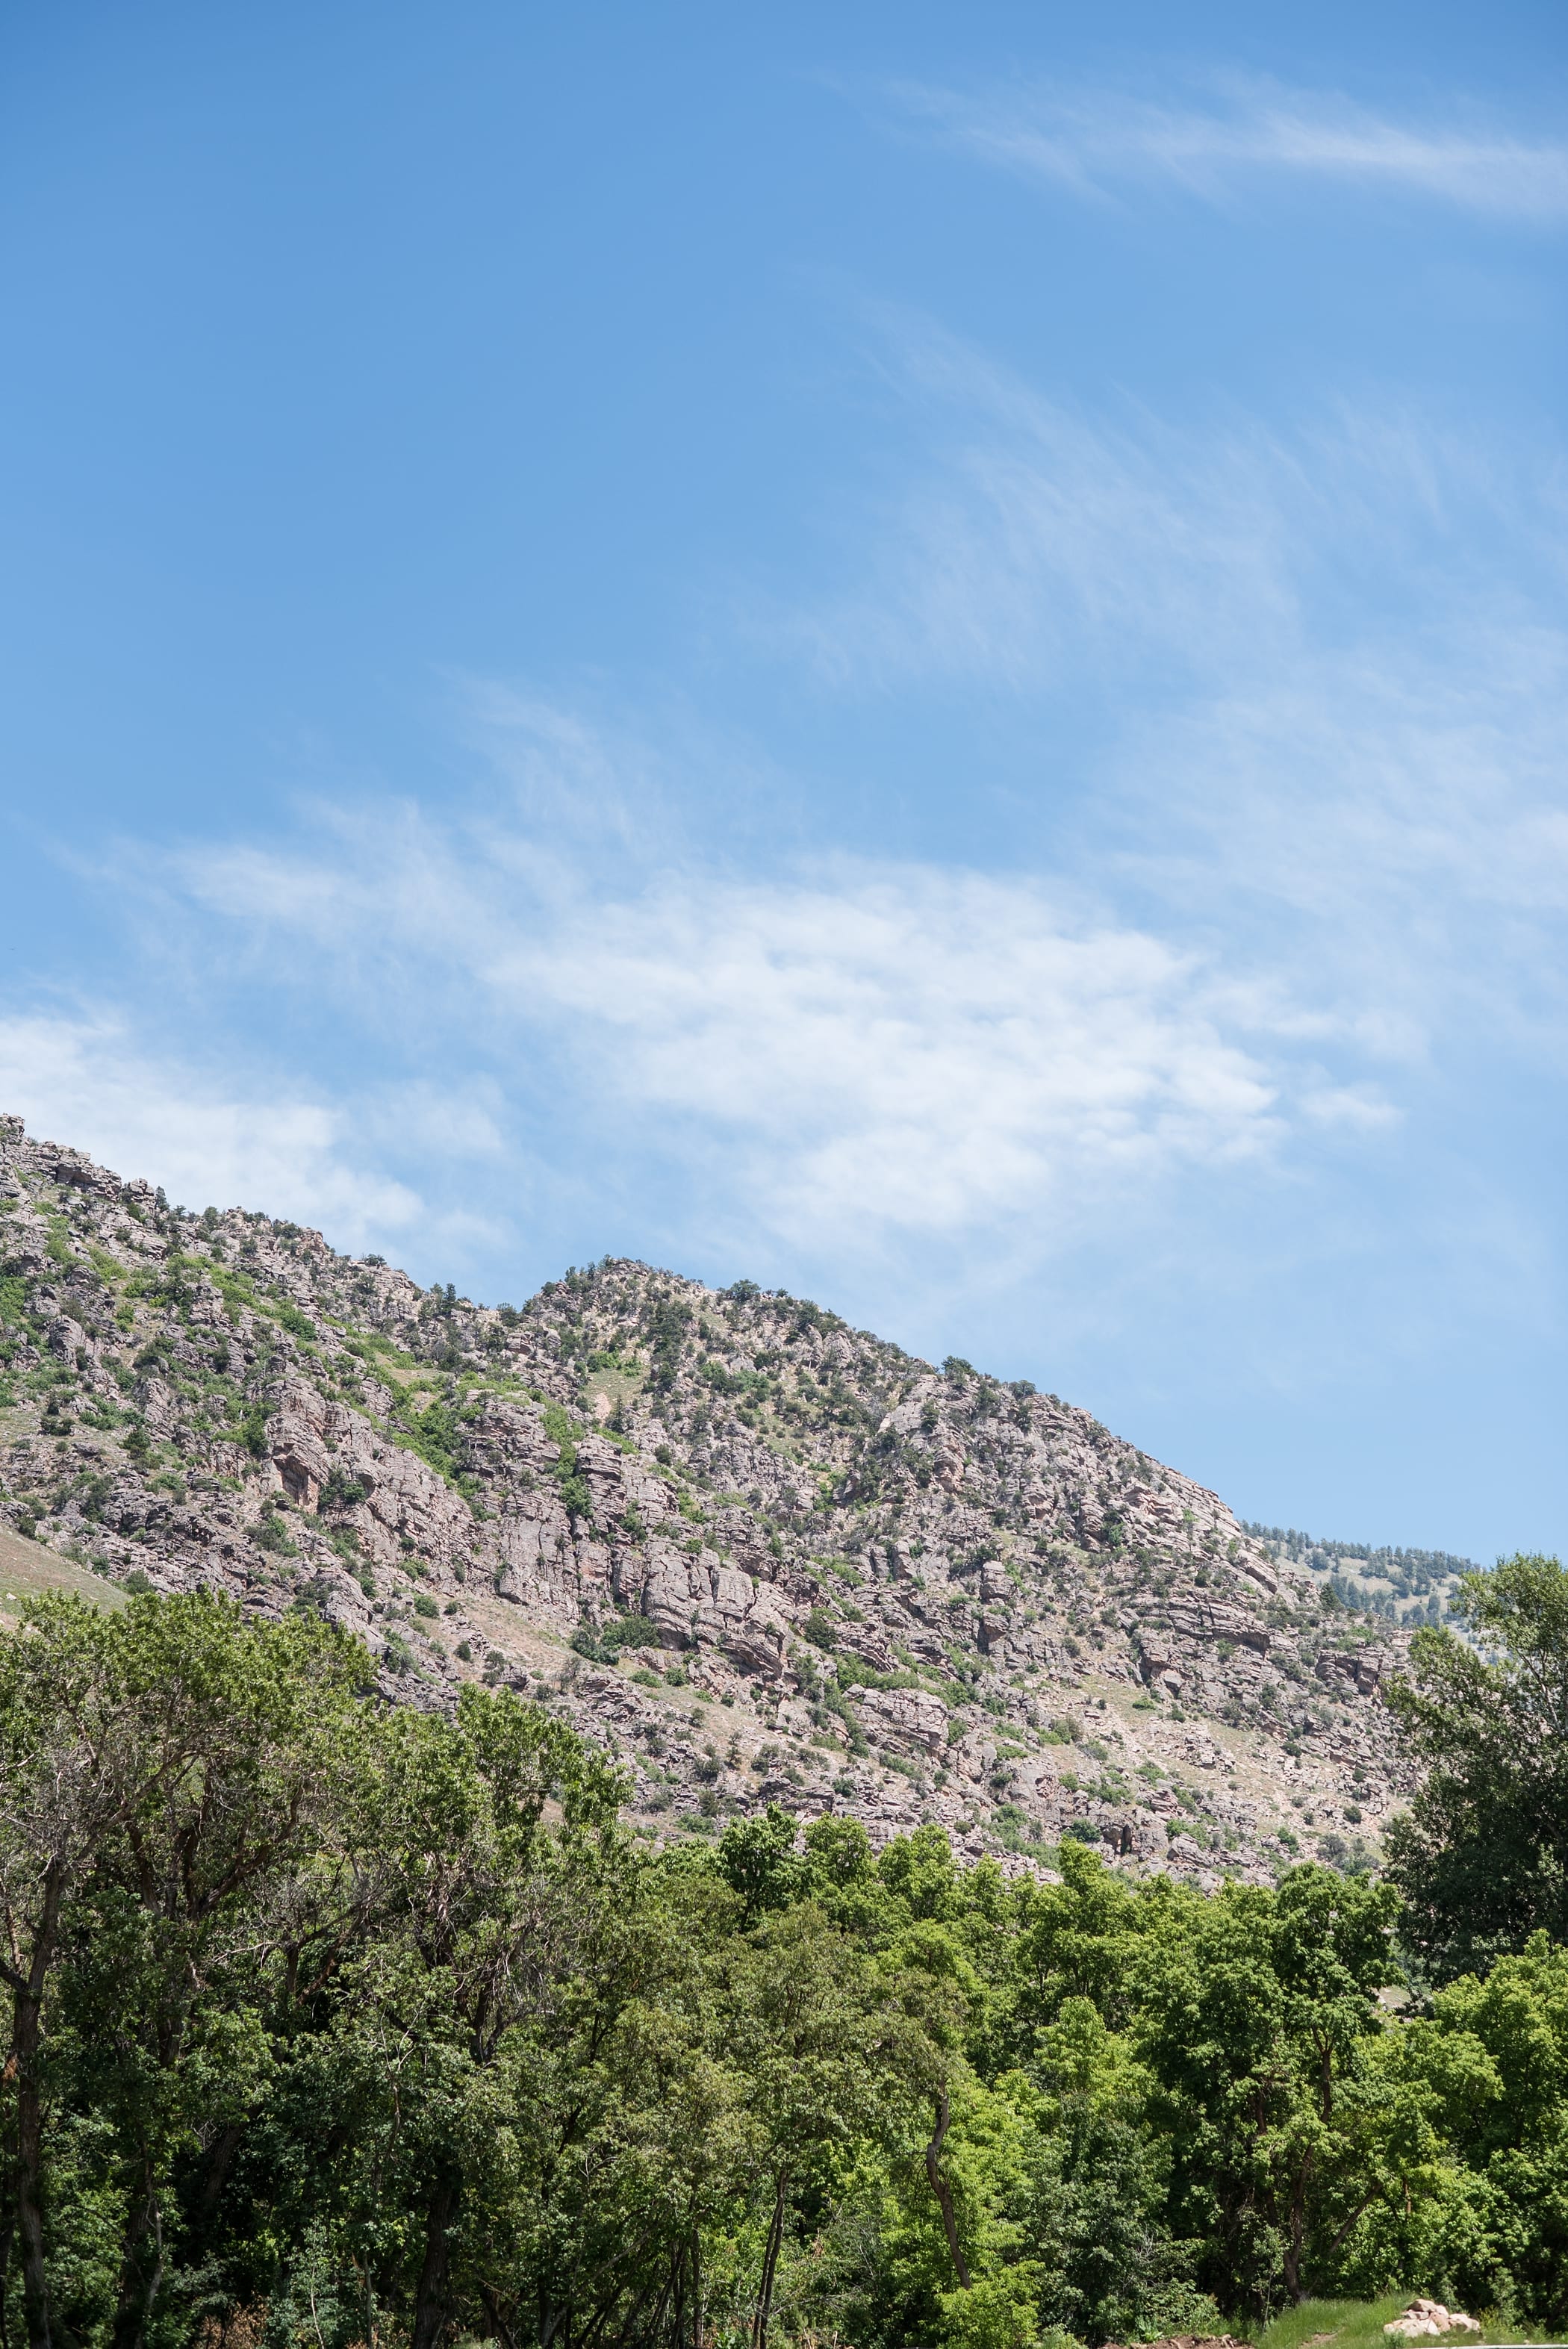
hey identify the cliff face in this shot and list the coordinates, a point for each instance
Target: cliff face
(763, 1556)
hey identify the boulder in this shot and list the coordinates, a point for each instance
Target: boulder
(912, 1720)
(1429, 2319)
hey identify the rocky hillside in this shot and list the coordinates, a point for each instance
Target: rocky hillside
(1406, 1586)
(763, 1556)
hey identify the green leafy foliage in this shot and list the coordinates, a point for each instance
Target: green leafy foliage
(435, 1433)
(668, 1322)
(374, 2018)
(603, 1642)
(1482, 1856)
(341, 1491)
(570, 1481)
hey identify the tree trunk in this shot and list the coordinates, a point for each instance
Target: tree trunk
(27, 2049)
(7, 2236)
(943, 2191)
(430, 2301)
(696, 2341)
(141, 2269)
(672, 2286)
(219, 2163)
(1296, 2235)
(769, 2262)
(503, 2330)
(550, 2319)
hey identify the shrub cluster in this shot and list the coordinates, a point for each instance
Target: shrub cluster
(332, 2023)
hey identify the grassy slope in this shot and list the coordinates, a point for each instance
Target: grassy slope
(28, 1570)
(1358, 2324)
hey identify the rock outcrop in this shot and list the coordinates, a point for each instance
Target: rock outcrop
(1429, 2319)
(759, 1554)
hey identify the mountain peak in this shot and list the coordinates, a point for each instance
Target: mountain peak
(762, 1555)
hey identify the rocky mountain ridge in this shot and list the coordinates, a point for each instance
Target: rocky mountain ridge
(762, 1555)
(1408, 1587)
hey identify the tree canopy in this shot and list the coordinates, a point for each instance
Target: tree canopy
(332, 2023)
(1481, 1858)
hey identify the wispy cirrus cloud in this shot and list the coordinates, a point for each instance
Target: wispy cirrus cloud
(1090, 143)
(1329, 837)
(856, 1051)
(98, 1080)
(911, 1049)
(1316, 855)
(1349, 643)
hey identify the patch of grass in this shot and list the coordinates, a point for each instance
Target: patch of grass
(1352, 2323)
(1358, 2324)
(385, 1356)
(30, 1570)
(238, 1290)
(620, 1381)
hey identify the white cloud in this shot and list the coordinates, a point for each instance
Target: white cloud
(1351, 1105)
(1090, 143)
(1319, 849)
(1325, 834)
(1033, 545)
(83, 1080)
(906, 1049)
(1330, 667)
(861, 1051)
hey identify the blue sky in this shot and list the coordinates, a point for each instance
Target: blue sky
(916, 652)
